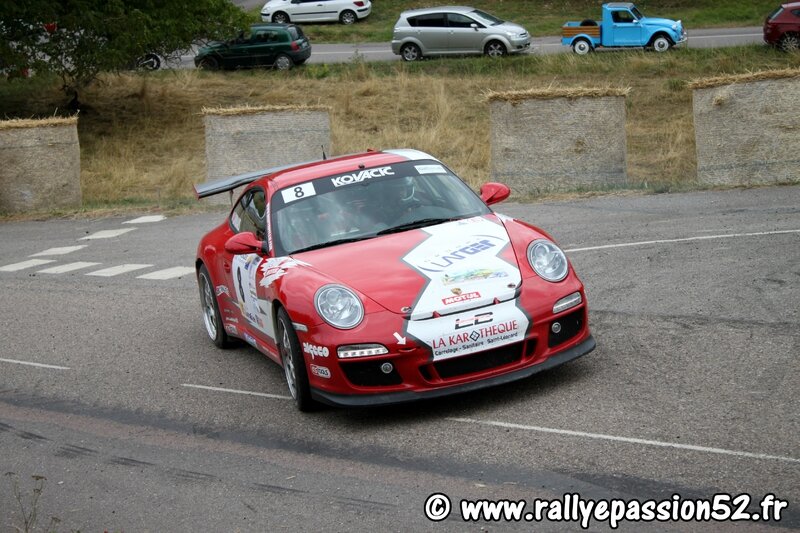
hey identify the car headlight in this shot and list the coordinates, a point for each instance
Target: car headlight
(547, 260)
(339, 306)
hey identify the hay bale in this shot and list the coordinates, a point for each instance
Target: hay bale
(748, 130)
(40, 164)
(558, 139)
(244, 139)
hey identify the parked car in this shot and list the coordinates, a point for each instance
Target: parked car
(456, 31)
(622, 26)
(782, 27)
(381, 278)
(281, 46)
(344, 11)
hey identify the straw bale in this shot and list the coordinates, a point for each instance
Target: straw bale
(254, 110)
(555, 92)
(40, 166)
(542, 145)
(748, 132)
(708, 83)
(17, 123)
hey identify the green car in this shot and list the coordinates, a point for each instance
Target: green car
(281, 46)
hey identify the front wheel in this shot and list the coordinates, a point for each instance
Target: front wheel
(410, 52)
(661, 44)
(283, 62)
(347, 17)
(149, 62)
(581, 47)
(495, 49)
(209, 63)
(294, 365)
(211, 315)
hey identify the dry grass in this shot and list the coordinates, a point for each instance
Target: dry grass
(16, 123)
(252, 110)
(550, 93)
(717, 81)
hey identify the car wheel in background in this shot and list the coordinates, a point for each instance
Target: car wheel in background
(790, 42)
(495, 49)
(211, 315)
(347, 17)
(581, 47)
(280, 18)
(283, 62)
(661, 44)
(149, 62)
(209, 63)
(294, 365)
(410, 52)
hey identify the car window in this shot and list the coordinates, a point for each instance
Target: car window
(622, 16)
(796, 12)
(775, 14)
(434, 20)
(249, 214)
(456, 20)
(295, 32)
(268, 36)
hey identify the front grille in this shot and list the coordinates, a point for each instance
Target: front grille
(479, 362)
(369, 374)
(571, 325)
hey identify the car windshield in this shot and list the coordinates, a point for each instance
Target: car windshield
(490, 20)
(637, 13)
(368, 203)
(774, 14)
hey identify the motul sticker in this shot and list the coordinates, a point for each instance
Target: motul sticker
(461, 297)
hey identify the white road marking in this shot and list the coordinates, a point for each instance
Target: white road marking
(106, 234)
(235, 391)
(61, 251)
(629, 440)
(117, 270)
(695, 37)
(168, 273)
(28, 363)
(25, 264)
(146, 219)
(69, 267)
(686, 239)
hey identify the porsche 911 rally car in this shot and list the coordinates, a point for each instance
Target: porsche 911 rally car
(382, 278)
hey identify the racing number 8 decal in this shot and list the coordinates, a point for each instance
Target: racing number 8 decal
(290, 194)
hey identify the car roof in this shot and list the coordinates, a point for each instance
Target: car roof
(619, 5)
(270, 25)
(791, 5)
(439, 9)
(339, 165)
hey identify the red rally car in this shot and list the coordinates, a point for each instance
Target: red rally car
(382, 278)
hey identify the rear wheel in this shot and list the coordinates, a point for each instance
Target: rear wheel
(495, 49)
(661, 44)
(149, 62)
(211, 315)
(411, 52)
(209, 63)
(581, 47)
(294, 365)
(790, 42)
(280, 18)
(347, 17)
(283, 62)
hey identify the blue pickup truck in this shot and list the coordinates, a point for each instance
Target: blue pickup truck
(623, 26)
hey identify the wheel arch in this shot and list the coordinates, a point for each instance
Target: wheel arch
(661, 33)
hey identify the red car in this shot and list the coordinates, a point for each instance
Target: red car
(782, 27)
(382, 278)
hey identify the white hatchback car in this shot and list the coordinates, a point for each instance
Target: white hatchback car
(298, 11)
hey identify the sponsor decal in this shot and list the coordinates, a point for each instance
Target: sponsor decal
(362, 175)
(298, 192)
(236, 221)
(315, 351)
(222, 289)
(274, 269)
(441, 262)
(232, 320)
(430, 169)
(321, 371)
(230, 328)
(480, 337)
(468, 322)
(461, 297)
(250, 339)
(473, 275)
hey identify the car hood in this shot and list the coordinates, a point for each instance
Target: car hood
(511, 27)
(665, 23)
(439, 269)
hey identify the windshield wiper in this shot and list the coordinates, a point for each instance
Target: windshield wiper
(416, 224)
(332, 243)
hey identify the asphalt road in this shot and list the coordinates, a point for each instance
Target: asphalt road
(693, 389)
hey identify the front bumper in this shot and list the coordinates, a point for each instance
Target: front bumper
(410, 396)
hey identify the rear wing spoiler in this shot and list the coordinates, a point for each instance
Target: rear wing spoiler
(210, 188)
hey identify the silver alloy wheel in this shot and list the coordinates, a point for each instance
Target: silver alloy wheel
(790, 43)
(209, 314)
(661, 44)
(581, 47)
(410, 52)
(495, 49)
(347, 17)
(288, 361)
(280, 18)
(283, 62)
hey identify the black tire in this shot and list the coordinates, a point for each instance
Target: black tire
(347, 17)
(211, 315)
(410, 52)
(293, 363)
(588, 22)
(790, 42)
(280, 17)
(208, 63)
(495, 49)
(582, 47)
(283, 62)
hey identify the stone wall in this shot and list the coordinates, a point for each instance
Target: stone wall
(747, 131)
(240, 140)
(558, 139)
(40, 165)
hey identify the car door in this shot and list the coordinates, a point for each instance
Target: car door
(267, 43)
(313, 11)
(243, 272)
(432, 32)
(240, 51)
(627, 29)
(465, 35)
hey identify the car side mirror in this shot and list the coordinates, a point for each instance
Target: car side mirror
(493, 193)
(246, 243)
(474, 26)
(635, 21)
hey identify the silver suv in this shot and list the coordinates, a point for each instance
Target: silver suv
(456, 30)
